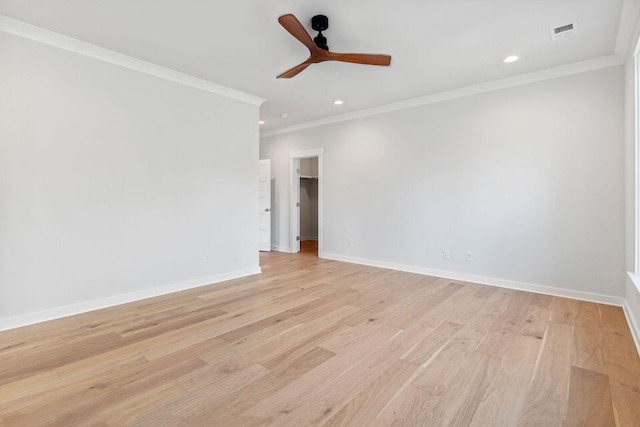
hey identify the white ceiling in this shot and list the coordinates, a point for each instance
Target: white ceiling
(437, 45)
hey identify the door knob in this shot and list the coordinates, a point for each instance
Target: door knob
(267, 210)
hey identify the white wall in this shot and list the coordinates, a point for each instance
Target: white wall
(530, 179)
(114, 184)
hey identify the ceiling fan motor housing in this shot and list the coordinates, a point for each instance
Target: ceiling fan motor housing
(320, 23)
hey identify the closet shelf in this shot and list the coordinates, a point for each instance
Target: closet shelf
(308, 177)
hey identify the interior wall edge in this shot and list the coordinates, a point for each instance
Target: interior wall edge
(51, 38)
(97, 304)
(521, 80)
(483, 280)
(507, 284)
(629, 18)
(633, 325)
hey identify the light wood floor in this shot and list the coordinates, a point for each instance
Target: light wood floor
(312, 342)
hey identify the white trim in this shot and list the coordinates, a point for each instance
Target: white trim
(633, 326)
(635, 279)
(636, 146)
(280, 249)
(51, 38)
(629, 15)
(297, 155)
(305, 154)
(490, 281)
(524, 79)
(635, 275)
(83, 307)
(294, 199)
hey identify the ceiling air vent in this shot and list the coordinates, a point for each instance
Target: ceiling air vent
(564, 31)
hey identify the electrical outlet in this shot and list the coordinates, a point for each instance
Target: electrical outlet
(206, 257)
(468, 256)
(350, 242)
(446, 254)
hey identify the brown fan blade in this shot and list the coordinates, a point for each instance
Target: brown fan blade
(295, 28)
(295, 70)
(360, 58)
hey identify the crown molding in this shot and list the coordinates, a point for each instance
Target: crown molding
(523, 79)
(51, 38)
(629, 16)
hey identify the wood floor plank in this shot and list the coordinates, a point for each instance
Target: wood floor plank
(589, 399)
(548, 396)
(35, 391)
(416, 400)
(495, 343)
(337, 393)
(303, 389)
(535, 323)
(589, 339)
(85, 411)
(626, 401)
(16, 366)
(564, 310)
(312, 341)
(234, 404)
(515, 315)
(541, 300)
(504, 398)
(437, 314)
(364, 407)
(191, 405)
(433, 342)
(620, 356)
(459, 404)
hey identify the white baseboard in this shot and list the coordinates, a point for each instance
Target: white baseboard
(83, 307)
(509, 284)
(490, 281)
(633, 325)
(281, 249)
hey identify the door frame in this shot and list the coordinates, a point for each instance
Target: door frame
(268, 209)
(294, 180)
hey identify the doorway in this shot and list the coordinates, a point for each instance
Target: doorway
(309, 205)
(306, 201)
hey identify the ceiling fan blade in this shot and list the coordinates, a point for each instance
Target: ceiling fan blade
(295, 70)
(295, 28)
(360, 58)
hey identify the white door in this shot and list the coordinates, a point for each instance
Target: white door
(264, 204)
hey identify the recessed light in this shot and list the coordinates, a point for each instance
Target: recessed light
(261, 122)
(284, 115)
(510, 59)
(338, 102)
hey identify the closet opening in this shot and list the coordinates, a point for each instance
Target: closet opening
(308, 182)
(306, 201)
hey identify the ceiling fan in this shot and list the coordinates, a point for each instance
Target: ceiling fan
(319, 51)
